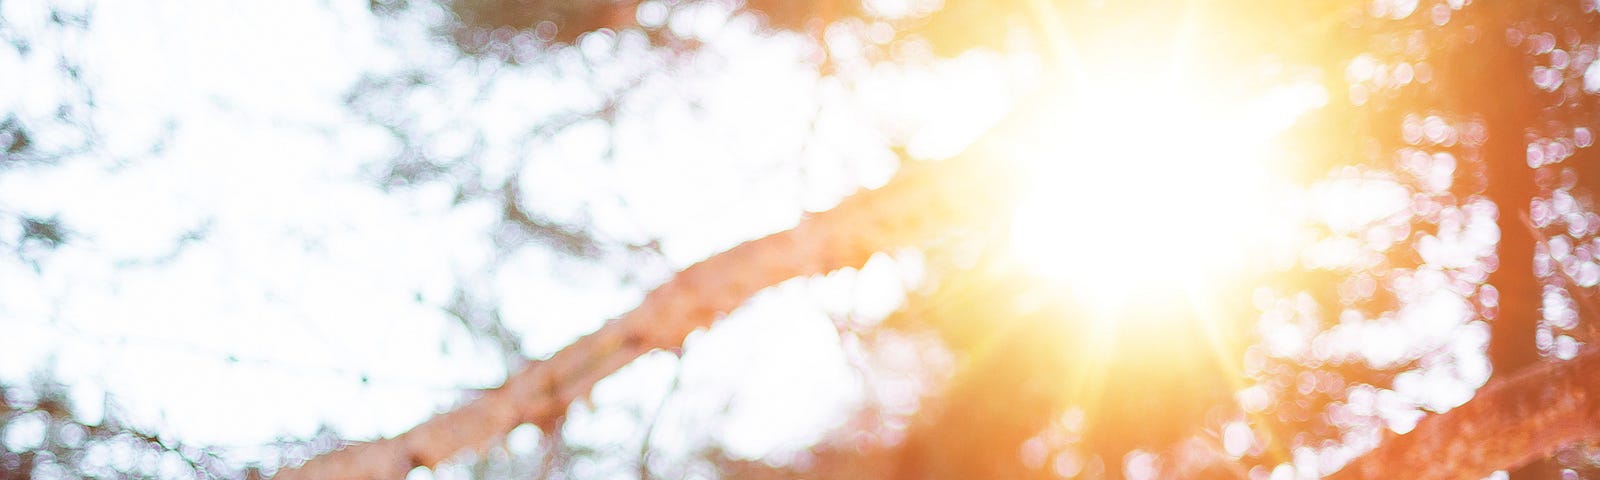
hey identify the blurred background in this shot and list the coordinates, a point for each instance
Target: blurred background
(1256, 236)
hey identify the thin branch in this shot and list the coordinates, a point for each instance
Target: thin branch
(650, 428)
(1588, 311)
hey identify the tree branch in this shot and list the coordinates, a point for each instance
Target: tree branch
(920, 204)
(1512, 421)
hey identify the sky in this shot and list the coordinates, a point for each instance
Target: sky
(238, 285)
(304, 277)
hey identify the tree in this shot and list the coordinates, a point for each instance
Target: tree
(1456, 130)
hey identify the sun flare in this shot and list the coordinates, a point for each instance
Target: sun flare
(1155, 184)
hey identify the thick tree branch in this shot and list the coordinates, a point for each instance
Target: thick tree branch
(1512, 421)
(920, 204)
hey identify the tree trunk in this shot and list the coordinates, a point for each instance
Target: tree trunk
(1498, 88)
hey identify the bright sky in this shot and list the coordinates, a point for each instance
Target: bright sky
(308, 278)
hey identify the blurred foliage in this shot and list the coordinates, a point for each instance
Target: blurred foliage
(1440, 98)
(43, 436)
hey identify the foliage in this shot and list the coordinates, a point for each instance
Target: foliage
(1466, 112)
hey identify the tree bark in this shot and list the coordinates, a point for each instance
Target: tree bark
(1497, 87)
(1495, 77)
(921, 203)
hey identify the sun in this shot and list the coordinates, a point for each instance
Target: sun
(1141, 179)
